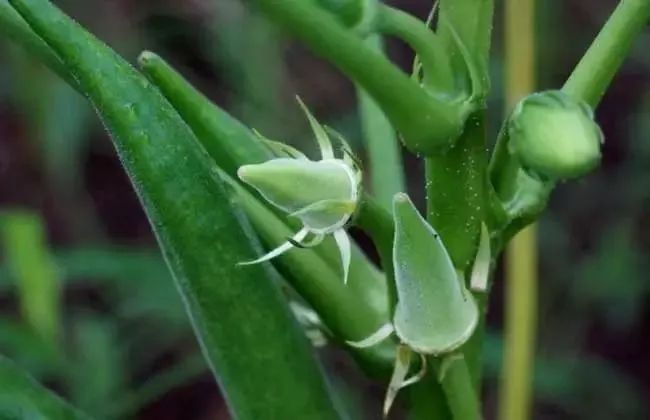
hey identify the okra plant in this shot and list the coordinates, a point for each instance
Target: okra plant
(252, 228)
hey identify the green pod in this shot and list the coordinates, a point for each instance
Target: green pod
(435, 313)
(554, 136)
(242, 322)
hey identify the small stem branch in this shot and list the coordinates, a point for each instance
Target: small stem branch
(597, 68)
(456, 381)
(386, 170)
(437, 71)
(378, 224)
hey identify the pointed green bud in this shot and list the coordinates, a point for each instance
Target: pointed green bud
(435, 313)
(322, 193)
(555, 136)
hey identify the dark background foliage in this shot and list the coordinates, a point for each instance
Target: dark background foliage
(121, 346)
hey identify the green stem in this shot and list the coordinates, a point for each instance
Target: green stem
(435, 61)
(471, 20)
(597, 68)
(384, 155)
(378, 224)
(426, 123)
(521, 257)
(456, 196)
(520, 327)
(456, 381)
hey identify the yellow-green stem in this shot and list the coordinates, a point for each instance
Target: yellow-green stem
(521, 255)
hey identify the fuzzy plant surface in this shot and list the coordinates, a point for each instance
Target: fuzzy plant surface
(240, 218)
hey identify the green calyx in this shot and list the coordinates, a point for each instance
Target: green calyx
(554, 136)
(435, 313)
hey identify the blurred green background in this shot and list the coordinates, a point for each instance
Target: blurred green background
(88, 307)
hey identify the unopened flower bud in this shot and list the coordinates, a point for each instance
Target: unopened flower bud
(555, 136)
(322, 194)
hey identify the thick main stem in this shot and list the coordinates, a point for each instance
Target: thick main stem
(598, 66)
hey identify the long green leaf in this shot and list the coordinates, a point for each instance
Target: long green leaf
(21, 397)
(245, 329)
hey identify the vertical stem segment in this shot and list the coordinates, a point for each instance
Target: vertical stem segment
(521, 255)
(386, 172)
(598, 66)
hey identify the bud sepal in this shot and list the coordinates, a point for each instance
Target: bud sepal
(435, 313)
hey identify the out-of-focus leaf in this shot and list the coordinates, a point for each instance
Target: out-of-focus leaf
(244, 326)
(22, 398)
(610, 280)
(158, 385)
(20, 343)
(35, 273)
(572, 383)
(96, 375)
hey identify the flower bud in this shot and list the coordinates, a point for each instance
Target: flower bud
(297, 186)
(554, 136)
(322, 194)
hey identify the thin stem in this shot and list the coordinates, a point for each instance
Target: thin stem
(597, 68)
(520, 324)
(378, 224)
(456, 381)
(386, 170)
(427, 45)
(521, 256)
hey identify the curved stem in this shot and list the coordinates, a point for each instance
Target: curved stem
(425, 122)
(382, 144)
(597, 68)
(434, 58)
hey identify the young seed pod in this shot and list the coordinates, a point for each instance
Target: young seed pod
(322, 194)
(554, 136)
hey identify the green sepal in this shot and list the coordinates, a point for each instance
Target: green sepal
(435, 313)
